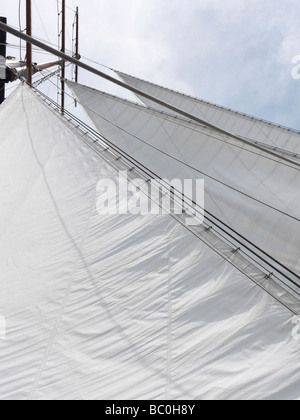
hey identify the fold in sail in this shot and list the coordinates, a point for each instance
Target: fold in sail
(247, 188)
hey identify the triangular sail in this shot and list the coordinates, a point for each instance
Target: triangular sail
(118, 306)
(227, 119)
(245, 187)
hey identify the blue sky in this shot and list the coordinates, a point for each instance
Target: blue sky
(237, 53)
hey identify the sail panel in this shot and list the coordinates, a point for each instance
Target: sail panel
(234, 122)
(248, 189)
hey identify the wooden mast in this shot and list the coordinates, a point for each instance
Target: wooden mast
(2, 61)
(28, 45)
(77, 56)
(63, 50)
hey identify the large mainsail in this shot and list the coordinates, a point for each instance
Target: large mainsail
(249, 189)
(235, 122)
(118, 306)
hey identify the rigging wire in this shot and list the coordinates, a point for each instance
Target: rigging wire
(67, 7)
(42, 22)
(147, 171)
(8, 88)
(51, 44)
(46, 77)
(96, 62)
(37, 50)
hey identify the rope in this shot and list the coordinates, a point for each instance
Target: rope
(24, 48)
(41, 21)
(211, 219)
(67, 7)
(45, 78)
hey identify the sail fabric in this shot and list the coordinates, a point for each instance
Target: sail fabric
(234, 122)
(118, 306)
(253, 192)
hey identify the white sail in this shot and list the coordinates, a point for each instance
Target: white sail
(252, 191)
(235, 122)
(123, 306)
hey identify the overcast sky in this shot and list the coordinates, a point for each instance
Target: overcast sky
(237, 53)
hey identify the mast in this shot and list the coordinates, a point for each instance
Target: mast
(2, 61)
(63, 50)
(77, 56)
(28, 45)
